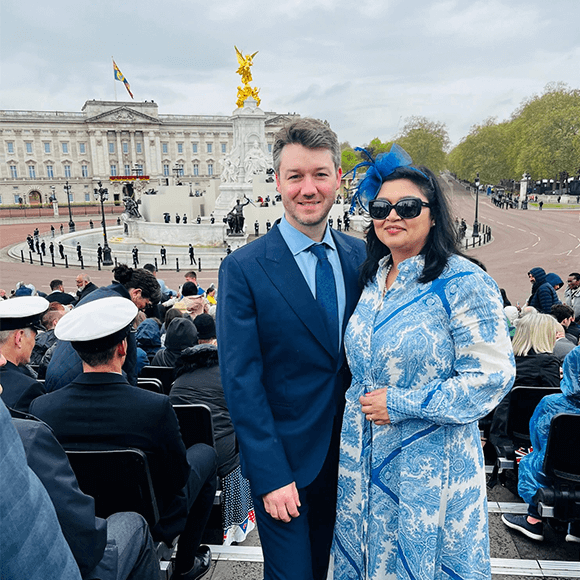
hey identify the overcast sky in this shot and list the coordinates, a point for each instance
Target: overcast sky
(364, 65)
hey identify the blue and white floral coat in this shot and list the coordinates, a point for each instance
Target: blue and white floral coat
(412, 495)
(530, 474)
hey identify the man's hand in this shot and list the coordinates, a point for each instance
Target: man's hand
(283, 503)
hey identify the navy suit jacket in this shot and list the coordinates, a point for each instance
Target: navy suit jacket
(284, 381)
(19, 389)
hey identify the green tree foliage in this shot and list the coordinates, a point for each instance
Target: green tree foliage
(348, 159)
(425, 141)
(542, 138)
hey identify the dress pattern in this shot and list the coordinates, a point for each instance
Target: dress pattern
(411, 494)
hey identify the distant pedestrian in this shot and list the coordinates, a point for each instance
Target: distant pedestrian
(257, 227)
(184, 218)
(212, 219)
(330, 222)
(135, 253)
(192, 259)
(43, 247)
(228, 250)
(99, 253)
(541, 204)
(61, 229)
(91, 224)
(177, 218)
(79, 251)
(198, 219)
(52, 231)
(163, 253)
(37, 246)
(61, 250)
(268, 226)
(118, 221)
(51, 249)
(339, 224)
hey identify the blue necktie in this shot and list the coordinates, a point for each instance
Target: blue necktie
(326, 290)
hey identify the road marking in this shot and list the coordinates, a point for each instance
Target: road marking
(512, 227)
(525, 231)
(533, 245)
(518, 251)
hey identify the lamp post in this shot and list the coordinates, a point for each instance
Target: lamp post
(475, 222)
(71, 224)
(102, 194)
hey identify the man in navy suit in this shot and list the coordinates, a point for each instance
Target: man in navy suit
(281, 355)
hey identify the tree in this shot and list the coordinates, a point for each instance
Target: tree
(425, 141)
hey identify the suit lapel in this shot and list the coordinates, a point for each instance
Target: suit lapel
(350, 272)
(281, 268)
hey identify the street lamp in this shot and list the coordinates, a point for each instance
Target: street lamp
(101, 195)
(475, 222)
(71, 224)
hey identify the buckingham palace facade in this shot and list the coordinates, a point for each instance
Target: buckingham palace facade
(113, 142)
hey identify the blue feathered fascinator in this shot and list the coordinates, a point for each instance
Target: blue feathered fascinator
(377, 171)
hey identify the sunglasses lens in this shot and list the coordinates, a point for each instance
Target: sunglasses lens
(379, 209)
(408, 208)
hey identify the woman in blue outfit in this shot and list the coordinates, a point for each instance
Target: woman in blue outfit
(530, 474)
(430, 354)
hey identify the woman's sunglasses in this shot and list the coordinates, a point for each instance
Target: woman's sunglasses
(406, 208)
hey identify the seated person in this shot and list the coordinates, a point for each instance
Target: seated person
(32, 544)
(562, 346)
(181, 333)
(192, 302)
(44, 340)
(198, 380)
(101, 409)
(19, 323)
(111, 549)
(536, 366)
(58, 294)
(564, 314)
(530, 476)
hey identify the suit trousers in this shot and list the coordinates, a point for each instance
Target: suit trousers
(300, 549)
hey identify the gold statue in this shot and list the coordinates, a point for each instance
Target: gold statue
(244, 70)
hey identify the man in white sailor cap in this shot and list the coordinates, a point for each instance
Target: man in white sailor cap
(101, 407)
(19, 322)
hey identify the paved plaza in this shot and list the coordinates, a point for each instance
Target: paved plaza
(521, 240)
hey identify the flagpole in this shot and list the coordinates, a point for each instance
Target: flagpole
(114, 79)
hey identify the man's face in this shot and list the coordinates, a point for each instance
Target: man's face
(307, 182)
(190, 279)
(26, 345)
(532, 279)
(573, 283)
(81, 283)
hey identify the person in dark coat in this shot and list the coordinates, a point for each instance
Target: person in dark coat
(44, 340)
(543, 295)
(61, 250)
(84, 286)
(33, 545)
(139, 286)
(58, 294)
(110, 549)
(123, 416)
(181, 334)
(19, 323)
(148, 337)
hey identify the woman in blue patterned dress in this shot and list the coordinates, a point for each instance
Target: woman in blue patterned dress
(430, 354)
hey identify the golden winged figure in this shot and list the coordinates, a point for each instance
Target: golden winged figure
(245, 63)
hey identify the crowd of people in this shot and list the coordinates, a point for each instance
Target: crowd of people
(346, 383)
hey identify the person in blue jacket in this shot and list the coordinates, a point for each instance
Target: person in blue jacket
(543, 295)
(530, 477)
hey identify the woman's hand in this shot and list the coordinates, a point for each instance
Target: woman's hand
(374, 406)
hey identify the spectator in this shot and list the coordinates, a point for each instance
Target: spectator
(192, 302)
(181, 334)
(142, 289)
(198, 380)
(543, 295)
(84, 286)
(148, 337)
(563, 346)
(169, 316)
(122, 416)
(536, 366)
(44, 340)
(555, 281)
(33, 545)
(122, 542)
(565, 316)
(58, 294)
(211, 295)
(19, 323)
(530, 473)
(191, 276)
(572, 295)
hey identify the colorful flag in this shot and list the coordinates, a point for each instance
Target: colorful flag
(119, 77)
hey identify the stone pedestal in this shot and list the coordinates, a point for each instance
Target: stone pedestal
(237, 241)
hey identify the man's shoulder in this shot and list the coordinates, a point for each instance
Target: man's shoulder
(352, 241)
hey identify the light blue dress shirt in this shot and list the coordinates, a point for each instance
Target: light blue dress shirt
(298, 243)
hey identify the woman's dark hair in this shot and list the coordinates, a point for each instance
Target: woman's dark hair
(441, 242)
(189, 289)
(140, 279)
(170, 315)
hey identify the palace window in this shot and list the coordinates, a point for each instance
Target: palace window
(210, 168)
(127, 170)
(125, 147)
(165, 148)
(82, 148)
(180, 147)
(13, 172)
(47, 147)
(138, 148)
(166, 170)
(194, 147)
(209, 147)
(85, 171)
(195, 169)
(32, 171)
(65, 147)
(113, 170)
(10, 146)
(67, 170)
(28, 147)
(111, 147)
(50, 171)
